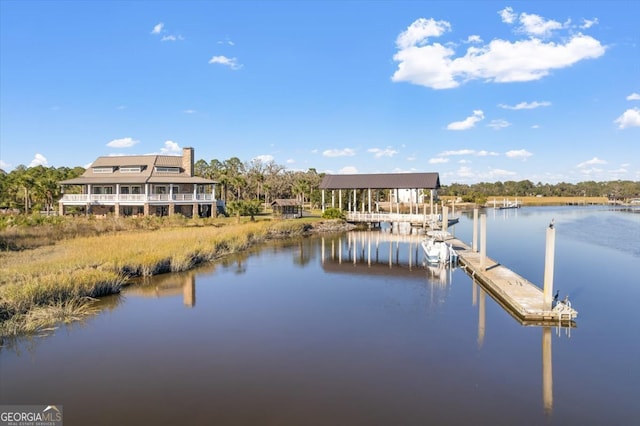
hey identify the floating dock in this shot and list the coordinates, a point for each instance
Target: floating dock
(522, 299)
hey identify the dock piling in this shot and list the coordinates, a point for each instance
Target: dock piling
(475, 231)
(483, 242)
(548, 266)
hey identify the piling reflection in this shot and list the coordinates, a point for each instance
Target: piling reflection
(479, 299)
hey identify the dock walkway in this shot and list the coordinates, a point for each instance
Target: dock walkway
(520, 297)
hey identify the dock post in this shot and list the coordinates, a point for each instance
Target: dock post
(483, 242)
(445, 220)
(549, 256)
(475, 231)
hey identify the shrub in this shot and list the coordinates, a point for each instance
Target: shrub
(333, 213)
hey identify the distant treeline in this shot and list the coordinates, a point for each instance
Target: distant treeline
(27, 189)
(478, 192)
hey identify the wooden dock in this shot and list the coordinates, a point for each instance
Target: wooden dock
(521, 298)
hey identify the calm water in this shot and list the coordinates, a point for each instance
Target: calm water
(350, 330)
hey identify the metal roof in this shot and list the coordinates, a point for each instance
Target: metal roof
(147, 163)
(382, 181)
(285, 202)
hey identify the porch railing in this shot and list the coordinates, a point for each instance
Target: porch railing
(132, 198)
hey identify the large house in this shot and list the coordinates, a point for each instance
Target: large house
(140, 185)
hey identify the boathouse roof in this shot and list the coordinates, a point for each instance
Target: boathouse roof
(382, 181)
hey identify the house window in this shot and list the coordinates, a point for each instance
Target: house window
(103, 170)
(103, 189)
(124, 190)
(167, 169)
(160, 189)
(135, 189)
(130, 169)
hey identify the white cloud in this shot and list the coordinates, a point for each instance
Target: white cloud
(347, 152)
(458, 152)
(412, 157)
(157, 29)
(500, 173)
(172, 37)
(314, 151)
(464, 161)
(419, 31)
(521, 153)
(121, 107)
(630, 118)
(468, 122)
(484, 153)
(170, 148)
(536, 25)
(498, 124)
(388, 152)
(189, 111)
(465, 172)
(349, 170)
(122, 143)
(38, 160)
(535, 126)
(588, 23)
(594, 160)
(4, 165)
(507, 15)
(526, 105)
(435, 65)
(223, 60)
(633, 97)
(438, 160)
(265, 158)
(591, 171)
(474, 39)
(291, 161)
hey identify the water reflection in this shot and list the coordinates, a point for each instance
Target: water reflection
(167, 285)
(479, 299)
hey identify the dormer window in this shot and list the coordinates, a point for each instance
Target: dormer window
(159, 169)
(131, 169)
(103, 170)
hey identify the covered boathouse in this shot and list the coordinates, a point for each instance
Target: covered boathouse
(359, 195)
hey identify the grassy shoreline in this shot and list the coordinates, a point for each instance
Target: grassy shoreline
(57, 283)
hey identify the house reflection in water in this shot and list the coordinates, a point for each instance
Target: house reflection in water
(168, 285)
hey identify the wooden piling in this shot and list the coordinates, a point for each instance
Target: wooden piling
(474, 243)
(483, 241)
(549, 265)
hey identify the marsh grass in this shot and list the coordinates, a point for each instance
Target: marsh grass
(41, 320)
(47, 278)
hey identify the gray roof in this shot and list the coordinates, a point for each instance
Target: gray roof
(148, 174)
(382, 181)
(285, 202)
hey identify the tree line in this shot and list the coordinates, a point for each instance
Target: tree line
(28, 189)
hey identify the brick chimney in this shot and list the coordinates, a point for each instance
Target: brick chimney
(187, 161)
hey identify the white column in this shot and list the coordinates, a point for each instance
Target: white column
(475, 231)
(483, 241)
(548, 266)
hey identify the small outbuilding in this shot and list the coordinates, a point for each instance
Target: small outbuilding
(286, 208)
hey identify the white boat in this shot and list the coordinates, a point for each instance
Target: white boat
(438, 252)
(506, 204)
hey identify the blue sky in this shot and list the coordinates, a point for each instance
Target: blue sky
(475, 90)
